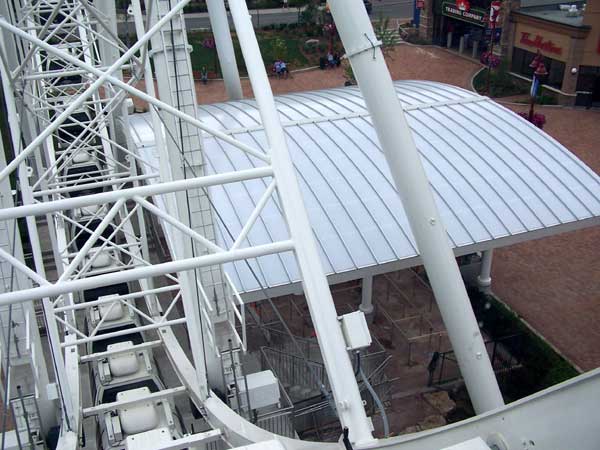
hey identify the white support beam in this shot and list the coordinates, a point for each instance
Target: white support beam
(395, 137)
(260, 205)
(225, 52)
(86, 339)
(484, 279)
(366, 303)
(106, 354)
(160, 395)
(133, 91)
(346, 395)
(192, 440)
(38, 209)
(144, 272)
(102, 78)
(180, 226)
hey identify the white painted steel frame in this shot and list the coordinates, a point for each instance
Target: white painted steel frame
(224, 46)
(71, 377)
(395, 137)
(322, 310)
(349, 400)
(349, 406)
(133, 91)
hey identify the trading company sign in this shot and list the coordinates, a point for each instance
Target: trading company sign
(475, 16)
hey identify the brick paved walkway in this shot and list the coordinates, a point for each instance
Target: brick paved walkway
(553, 283)
(406, 62)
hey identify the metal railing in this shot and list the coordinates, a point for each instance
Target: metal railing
(444, 369)
(423, 340)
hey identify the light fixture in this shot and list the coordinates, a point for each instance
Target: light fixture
(541, 71)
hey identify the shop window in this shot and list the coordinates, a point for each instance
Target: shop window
(587, 78)
(520, 64)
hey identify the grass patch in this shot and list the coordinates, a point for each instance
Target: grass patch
(541, 100)
(542, 365)
(273, 45)
(502, 84)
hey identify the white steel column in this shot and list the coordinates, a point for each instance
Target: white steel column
(484, 280)
(411, 181)
(46, 406)
(184, 151)
(366, 303)
(322, 310)
(225, 52)
(189, 299)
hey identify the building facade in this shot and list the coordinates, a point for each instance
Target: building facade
(566, 34)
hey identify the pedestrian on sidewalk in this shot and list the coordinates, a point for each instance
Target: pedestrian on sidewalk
(285, 4)
(204, 75)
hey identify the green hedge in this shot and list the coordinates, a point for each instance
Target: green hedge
(502, 84)
(542, 365)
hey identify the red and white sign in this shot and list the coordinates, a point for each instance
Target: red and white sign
(463, 5)
(539, 42)
(495, 11)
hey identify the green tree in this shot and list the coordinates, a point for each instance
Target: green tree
(279, 48)
(386, 35)
(308, 16)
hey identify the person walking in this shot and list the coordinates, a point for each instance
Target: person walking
(204, 75)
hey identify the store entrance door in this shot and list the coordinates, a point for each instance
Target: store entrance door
(588, 87)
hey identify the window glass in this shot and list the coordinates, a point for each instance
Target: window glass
(522, 59)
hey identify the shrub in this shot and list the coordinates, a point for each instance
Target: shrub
(279, 48)
(489, 59)
(309, 14)
(502, 83)
(538, 119)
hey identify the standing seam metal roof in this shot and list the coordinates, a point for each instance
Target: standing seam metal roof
(493, 175)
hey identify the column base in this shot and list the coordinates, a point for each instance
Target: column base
(369, 311)
(484, 285)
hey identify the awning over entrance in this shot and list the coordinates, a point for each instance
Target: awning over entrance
(496, 178)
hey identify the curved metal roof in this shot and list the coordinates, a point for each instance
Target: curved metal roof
(496, 178)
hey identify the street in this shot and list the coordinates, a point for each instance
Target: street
(400, 9)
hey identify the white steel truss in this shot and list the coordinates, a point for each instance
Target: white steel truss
(79, 191)
(78, 172)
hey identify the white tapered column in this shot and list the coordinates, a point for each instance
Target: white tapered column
(396, 140)
(320, 303)
(225, 52)
(366, 302)
(484, 280)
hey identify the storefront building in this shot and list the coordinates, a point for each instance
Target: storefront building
(460, 24)
(568, 36)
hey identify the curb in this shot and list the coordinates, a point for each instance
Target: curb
(304, 69)
(473, 80)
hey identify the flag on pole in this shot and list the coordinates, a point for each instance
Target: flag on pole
(535, 83)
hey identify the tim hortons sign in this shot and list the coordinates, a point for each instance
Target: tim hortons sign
(538, 42)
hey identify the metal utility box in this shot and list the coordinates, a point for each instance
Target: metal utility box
(356, 331)
(263, 390)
